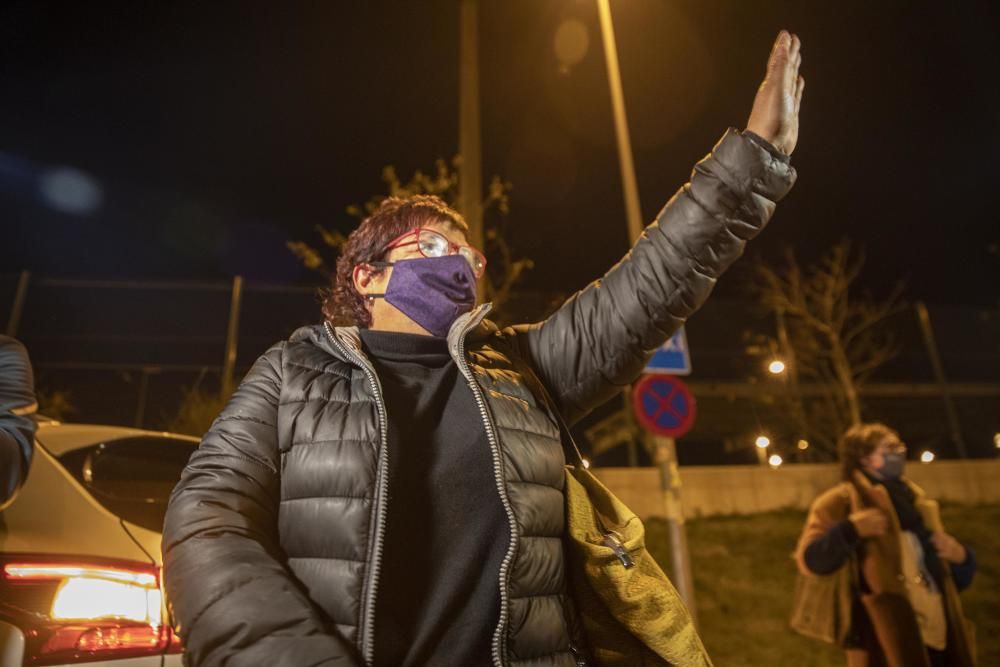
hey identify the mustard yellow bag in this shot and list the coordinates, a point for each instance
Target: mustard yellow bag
(631, 612)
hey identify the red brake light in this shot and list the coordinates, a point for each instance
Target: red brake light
(84, 609)
(102, 641)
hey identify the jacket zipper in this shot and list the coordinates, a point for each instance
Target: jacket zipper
(366, 633)
(499, 645)
(614, 542)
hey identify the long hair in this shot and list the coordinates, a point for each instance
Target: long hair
(341, 303)
(859, 441)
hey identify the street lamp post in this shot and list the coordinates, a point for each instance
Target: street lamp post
(630, 189)
(470, 169)
(664, 450)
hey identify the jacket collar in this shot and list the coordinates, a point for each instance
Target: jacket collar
(865, 494)
(465, 325)
(470, 325)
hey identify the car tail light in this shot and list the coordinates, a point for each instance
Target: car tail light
(84, 609)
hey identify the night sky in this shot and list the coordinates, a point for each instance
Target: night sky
(214, 132)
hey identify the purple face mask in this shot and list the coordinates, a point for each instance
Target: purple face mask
(431, 291)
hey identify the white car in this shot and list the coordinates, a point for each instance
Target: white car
(80, 549)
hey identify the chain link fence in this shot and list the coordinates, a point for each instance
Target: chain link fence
(130, 352)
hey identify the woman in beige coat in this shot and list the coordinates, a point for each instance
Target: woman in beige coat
(880, 575)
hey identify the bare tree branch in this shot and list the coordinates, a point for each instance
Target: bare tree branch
(838, 339)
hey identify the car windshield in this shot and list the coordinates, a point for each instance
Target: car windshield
(131, 477)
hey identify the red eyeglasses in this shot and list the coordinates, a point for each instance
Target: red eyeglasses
(434, 244)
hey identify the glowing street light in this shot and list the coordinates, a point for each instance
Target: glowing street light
(774, 461)
(776, 367)
(926, 456)
(803, 445)
(996, 440)
(586, 463)
(762, 441)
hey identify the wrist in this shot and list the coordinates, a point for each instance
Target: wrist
(849, 531)
(766, 144)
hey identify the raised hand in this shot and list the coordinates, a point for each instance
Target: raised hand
(775, 113)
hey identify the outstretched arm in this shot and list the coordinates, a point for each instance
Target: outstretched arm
(602, 337)
(229, 593)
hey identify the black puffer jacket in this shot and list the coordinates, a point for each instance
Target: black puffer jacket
(273, 537)
(17, 428)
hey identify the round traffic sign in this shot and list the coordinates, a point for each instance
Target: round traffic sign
(663, 405)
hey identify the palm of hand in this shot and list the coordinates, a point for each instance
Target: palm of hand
(775, 113)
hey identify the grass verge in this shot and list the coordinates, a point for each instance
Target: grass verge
(744, 576)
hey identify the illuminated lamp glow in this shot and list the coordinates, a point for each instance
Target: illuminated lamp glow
(571, 43)
(82, 598)
(70, 190)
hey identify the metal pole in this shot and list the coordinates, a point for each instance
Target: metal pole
(792, 373)
(665, 453)
(630, 190)
(949, 404)
(632, 450)
(20, 294)
(232, 334)
(470, 169)
(761, 455)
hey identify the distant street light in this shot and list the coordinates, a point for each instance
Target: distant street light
(803, 445)
(996, 440)
(776, 367)
(774, 461)
(762, 441)
(926, 456)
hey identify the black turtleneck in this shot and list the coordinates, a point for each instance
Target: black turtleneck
(438, 599)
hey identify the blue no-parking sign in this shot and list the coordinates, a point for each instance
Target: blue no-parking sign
(672, 357)
(663, 405)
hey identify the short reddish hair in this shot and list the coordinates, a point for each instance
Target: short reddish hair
(342, 304)
(858, 442)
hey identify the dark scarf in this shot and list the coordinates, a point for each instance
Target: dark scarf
(903, 501)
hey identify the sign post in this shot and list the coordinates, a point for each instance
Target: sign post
(665, 407)
(665, 455)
